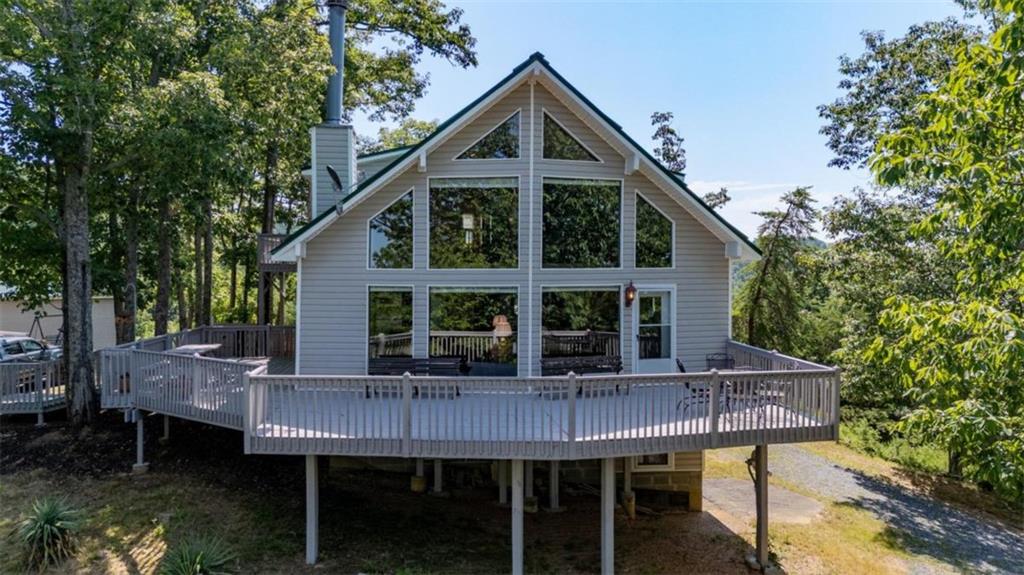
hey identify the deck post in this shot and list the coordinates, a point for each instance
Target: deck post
(312, 509)
(553, 486)
(438, 477)
(517, 517)
(167, 430)
(628, 498)
(713, 408)
(502, 482)
(607, 516)
(140, 456)
(407, 415)
(39, 418)
(761, 499)
(571, 431)
(419, 481)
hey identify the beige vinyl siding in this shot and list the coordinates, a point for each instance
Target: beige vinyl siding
(335, 275)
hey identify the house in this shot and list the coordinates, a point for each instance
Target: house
(46, 321)
(526, 286)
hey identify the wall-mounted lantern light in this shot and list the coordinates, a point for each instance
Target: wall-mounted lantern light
(630, 294)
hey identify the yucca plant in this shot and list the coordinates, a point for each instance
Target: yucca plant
(198, 555)
(48, 532)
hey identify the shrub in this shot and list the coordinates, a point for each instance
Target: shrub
(198, 555)
(48, 532)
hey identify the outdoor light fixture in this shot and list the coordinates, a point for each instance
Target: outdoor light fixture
(630, 294)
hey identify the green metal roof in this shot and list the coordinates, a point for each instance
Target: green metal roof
(535, 57)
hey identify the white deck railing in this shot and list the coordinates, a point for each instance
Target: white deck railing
(31, 387)
(474, 417)
(537, 418)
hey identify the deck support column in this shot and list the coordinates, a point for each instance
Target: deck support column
(438, 477)
(140, 437)
(418, 484)
(607, 516)
(761, 499)
(517, 517)
(312, 509)
(502, 482)
(628, 498)
(167, 430)
(553, 487)
(39, 419)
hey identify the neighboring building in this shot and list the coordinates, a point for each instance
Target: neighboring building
(14, 318)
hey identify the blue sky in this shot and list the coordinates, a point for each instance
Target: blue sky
(743, 78)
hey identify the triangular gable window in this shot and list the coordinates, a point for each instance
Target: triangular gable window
(501, 143)
(559, 144)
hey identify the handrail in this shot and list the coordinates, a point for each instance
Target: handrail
(749, 355)
(31, 386)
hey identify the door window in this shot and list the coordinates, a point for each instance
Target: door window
(655, 325)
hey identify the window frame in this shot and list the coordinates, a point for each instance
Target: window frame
(622, 231)
(519, 141)
(500, 287)
(366, 322)
(544, 112)
(636, 232)
(519, 219)
(670, 465)
(369, 254)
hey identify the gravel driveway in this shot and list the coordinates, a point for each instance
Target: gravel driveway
(928, 526)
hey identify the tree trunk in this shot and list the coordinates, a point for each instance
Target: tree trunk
(131, 265)
(233, 285)
(207, 296)
(78, 293)
(183, 319)
(161, 310)
(246, 286)
(197, 278)
(269, 203)
(116, 261)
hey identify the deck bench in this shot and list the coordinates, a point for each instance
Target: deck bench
(446, 366)
(581, 365)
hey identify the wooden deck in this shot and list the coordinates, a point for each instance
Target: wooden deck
(570, 417)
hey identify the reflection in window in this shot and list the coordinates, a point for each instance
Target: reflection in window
(478, 325)
(390, 322)
(559, 144)
(391, 236)
(474, 223)
(580, 322)
(653, 236)
(499, 144)
(581, 223)
(654, 334)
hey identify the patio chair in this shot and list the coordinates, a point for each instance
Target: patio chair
(720, 361)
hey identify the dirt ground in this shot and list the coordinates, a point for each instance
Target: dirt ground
(200, 482)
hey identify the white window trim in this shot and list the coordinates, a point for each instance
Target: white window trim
(637, 468)
(366, 322)
(519, 142)
(636, 231)
(622, 231)
(544, 112)
(478, 287)
(519, 210)
(369, 255)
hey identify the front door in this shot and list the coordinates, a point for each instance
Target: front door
(654, 342)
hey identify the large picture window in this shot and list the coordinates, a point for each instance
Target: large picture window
(582, 223)
(580, 322)
(390, 237)
(474, 223)
(501, 143)
(559, 144)
(390, 322)
(478, 325)
(653, 236)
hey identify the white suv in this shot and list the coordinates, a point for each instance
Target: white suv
(23, 348)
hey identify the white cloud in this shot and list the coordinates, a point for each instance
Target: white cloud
(747, 198)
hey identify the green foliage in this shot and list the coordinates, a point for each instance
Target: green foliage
(961, 358)
(198, 555)
(877, 432)
(770, 301)
(669, 150)
(582, 220)
(47, 532)
(409, 132)
(653, 236)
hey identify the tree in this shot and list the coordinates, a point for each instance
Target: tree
(669, 150)
(770, 300)
(411, 131)
(961, 358)
(881, 86)
(715, 200)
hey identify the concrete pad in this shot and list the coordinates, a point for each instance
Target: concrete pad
(736, 497)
